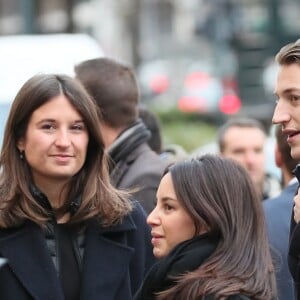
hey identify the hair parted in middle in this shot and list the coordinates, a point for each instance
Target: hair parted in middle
(99, 198)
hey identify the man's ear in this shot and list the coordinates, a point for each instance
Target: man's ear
(278, 157)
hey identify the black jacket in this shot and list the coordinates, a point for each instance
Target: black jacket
(115, 262)
(294, 247)
(294, 255)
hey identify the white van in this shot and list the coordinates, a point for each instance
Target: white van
(23, 56)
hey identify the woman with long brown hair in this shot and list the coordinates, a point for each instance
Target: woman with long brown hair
(65, 231)
(209, 233)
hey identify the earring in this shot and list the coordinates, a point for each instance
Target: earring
(21, 155)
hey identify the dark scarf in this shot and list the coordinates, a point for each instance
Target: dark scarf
(41, 198)
(64, 236)
(185, 257)
(121, 149)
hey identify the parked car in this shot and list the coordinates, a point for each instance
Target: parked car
(207, 93)
(190, 85)
(22, 56)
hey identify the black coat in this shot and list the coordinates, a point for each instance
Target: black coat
(294, 255)
(114, 263)
(294, 246)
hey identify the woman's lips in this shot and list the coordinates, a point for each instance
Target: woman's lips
(62, 158)
(156, 238)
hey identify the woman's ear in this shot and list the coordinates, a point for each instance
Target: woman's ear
(204, 228)
(20, 144)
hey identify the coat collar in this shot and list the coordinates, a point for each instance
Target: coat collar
(127, 224)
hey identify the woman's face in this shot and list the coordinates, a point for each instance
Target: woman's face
(170, 222)
(55, 141)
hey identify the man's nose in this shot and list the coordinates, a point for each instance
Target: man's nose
(281, 114)
(250, 158)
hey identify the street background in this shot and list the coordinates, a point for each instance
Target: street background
(198, 62)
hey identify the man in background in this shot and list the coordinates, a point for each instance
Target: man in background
(278, 216)
(169, 153)
(132, 163)
(152, 122)
(243, 139)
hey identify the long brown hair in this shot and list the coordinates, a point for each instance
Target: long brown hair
(219, 193)
(99, 198)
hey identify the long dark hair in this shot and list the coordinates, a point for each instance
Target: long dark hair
(99, 198)
(219, 193)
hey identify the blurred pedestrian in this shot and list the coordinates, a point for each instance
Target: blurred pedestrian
(133, 164)
(152, 122)
(66, 232)
(287, 114)
(170, 153)
(209, 233)
(278, 216)
(244, 139)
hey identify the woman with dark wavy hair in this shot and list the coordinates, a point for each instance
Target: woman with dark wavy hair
(209, 233)
(65, 231)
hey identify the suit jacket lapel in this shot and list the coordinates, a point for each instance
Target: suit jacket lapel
(30, 260)
(105, 262)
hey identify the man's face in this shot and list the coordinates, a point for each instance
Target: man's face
(246, 146)
(287, 110)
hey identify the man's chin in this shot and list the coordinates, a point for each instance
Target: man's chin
(295, 153)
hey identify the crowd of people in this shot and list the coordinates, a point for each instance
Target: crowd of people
(94, 206)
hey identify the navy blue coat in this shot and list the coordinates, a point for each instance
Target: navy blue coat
(278, 215)
(114, 264)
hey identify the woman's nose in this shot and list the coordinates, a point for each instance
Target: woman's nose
(62, 138)
(152, 218)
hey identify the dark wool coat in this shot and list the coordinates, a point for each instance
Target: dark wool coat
(114, 263)
(135, 165)
(144, 170)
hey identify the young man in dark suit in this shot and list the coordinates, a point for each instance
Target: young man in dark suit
(278, 216)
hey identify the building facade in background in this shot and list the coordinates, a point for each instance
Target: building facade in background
(239, 37)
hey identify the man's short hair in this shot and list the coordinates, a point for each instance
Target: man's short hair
(152, 122)
(240, 123)
(289, 54)
(114, 87)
